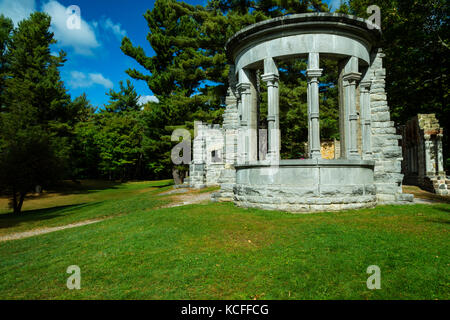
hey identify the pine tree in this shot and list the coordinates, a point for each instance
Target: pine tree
(34, 126)
(6, 28)
(125, 100)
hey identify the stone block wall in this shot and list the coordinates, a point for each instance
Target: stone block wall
(208, 153)
(206, 170)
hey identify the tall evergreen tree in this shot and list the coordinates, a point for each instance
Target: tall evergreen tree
(33, 122)
(6, 28)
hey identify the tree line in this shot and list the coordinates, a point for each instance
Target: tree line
(46, 135)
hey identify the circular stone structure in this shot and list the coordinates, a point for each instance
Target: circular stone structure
(306, 185)
(312, 184)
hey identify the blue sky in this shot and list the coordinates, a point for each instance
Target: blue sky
(95, 62)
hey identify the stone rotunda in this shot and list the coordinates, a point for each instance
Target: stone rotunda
(368, 170)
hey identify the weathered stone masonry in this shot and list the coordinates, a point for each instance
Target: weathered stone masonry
(384, 141)
(206, 169)
(423, 163)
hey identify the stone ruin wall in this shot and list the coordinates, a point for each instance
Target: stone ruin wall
(423, 163)
(386, 150)
(205, 170)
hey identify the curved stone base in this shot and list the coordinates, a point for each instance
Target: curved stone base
(288, 199)
(306, 185)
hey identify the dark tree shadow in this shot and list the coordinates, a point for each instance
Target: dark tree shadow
(10, 219)
(82, 187)
(438, 220)
(443, 209)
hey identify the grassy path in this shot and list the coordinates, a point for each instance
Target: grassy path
(36, 232)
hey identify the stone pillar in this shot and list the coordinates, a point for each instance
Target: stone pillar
(252, 118)
(247, 90)
(350, 78)
(364, 89)
(244, 90)
(313, 73)
(440, 155)
(430, 170)
(197, 168)
(270, 76)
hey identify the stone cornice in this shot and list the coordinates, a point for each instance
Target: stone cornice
(305, 21)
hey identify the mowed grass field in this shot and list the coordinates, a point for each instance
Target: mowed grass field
(146, 250)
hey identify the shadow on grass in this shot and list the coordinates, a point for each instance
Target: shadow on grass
(83, 186)
(89, 186)
(423, 194)
(443, 209)
(10, 219)
(438, 220)
(164, 184)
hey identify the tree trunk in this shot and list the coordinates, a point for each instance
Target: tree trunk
(18, 202)
(19, 205)
(14, 201)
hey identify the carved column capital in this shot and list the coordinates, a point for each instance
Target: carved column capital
(243, 88)
(365, 85)
(313, 74)
(270, 78)
(351, 78)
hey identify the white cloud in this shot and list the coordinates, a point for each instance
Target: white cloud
(17, 10)
(81, 80)
(145, 99)
(82, 40)
(115, 28)
(98, 78)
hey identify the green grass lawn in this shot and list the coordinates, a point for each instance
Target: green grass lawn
(90, 200)
(219, 251)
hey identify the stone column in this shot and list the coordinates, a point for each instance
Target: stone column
(246, 87)
(364, 89)
(313, 73)
(239, 128)
(350, 78)
(270, 76)
(439, 155)
(430, 171)
(244, 93)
